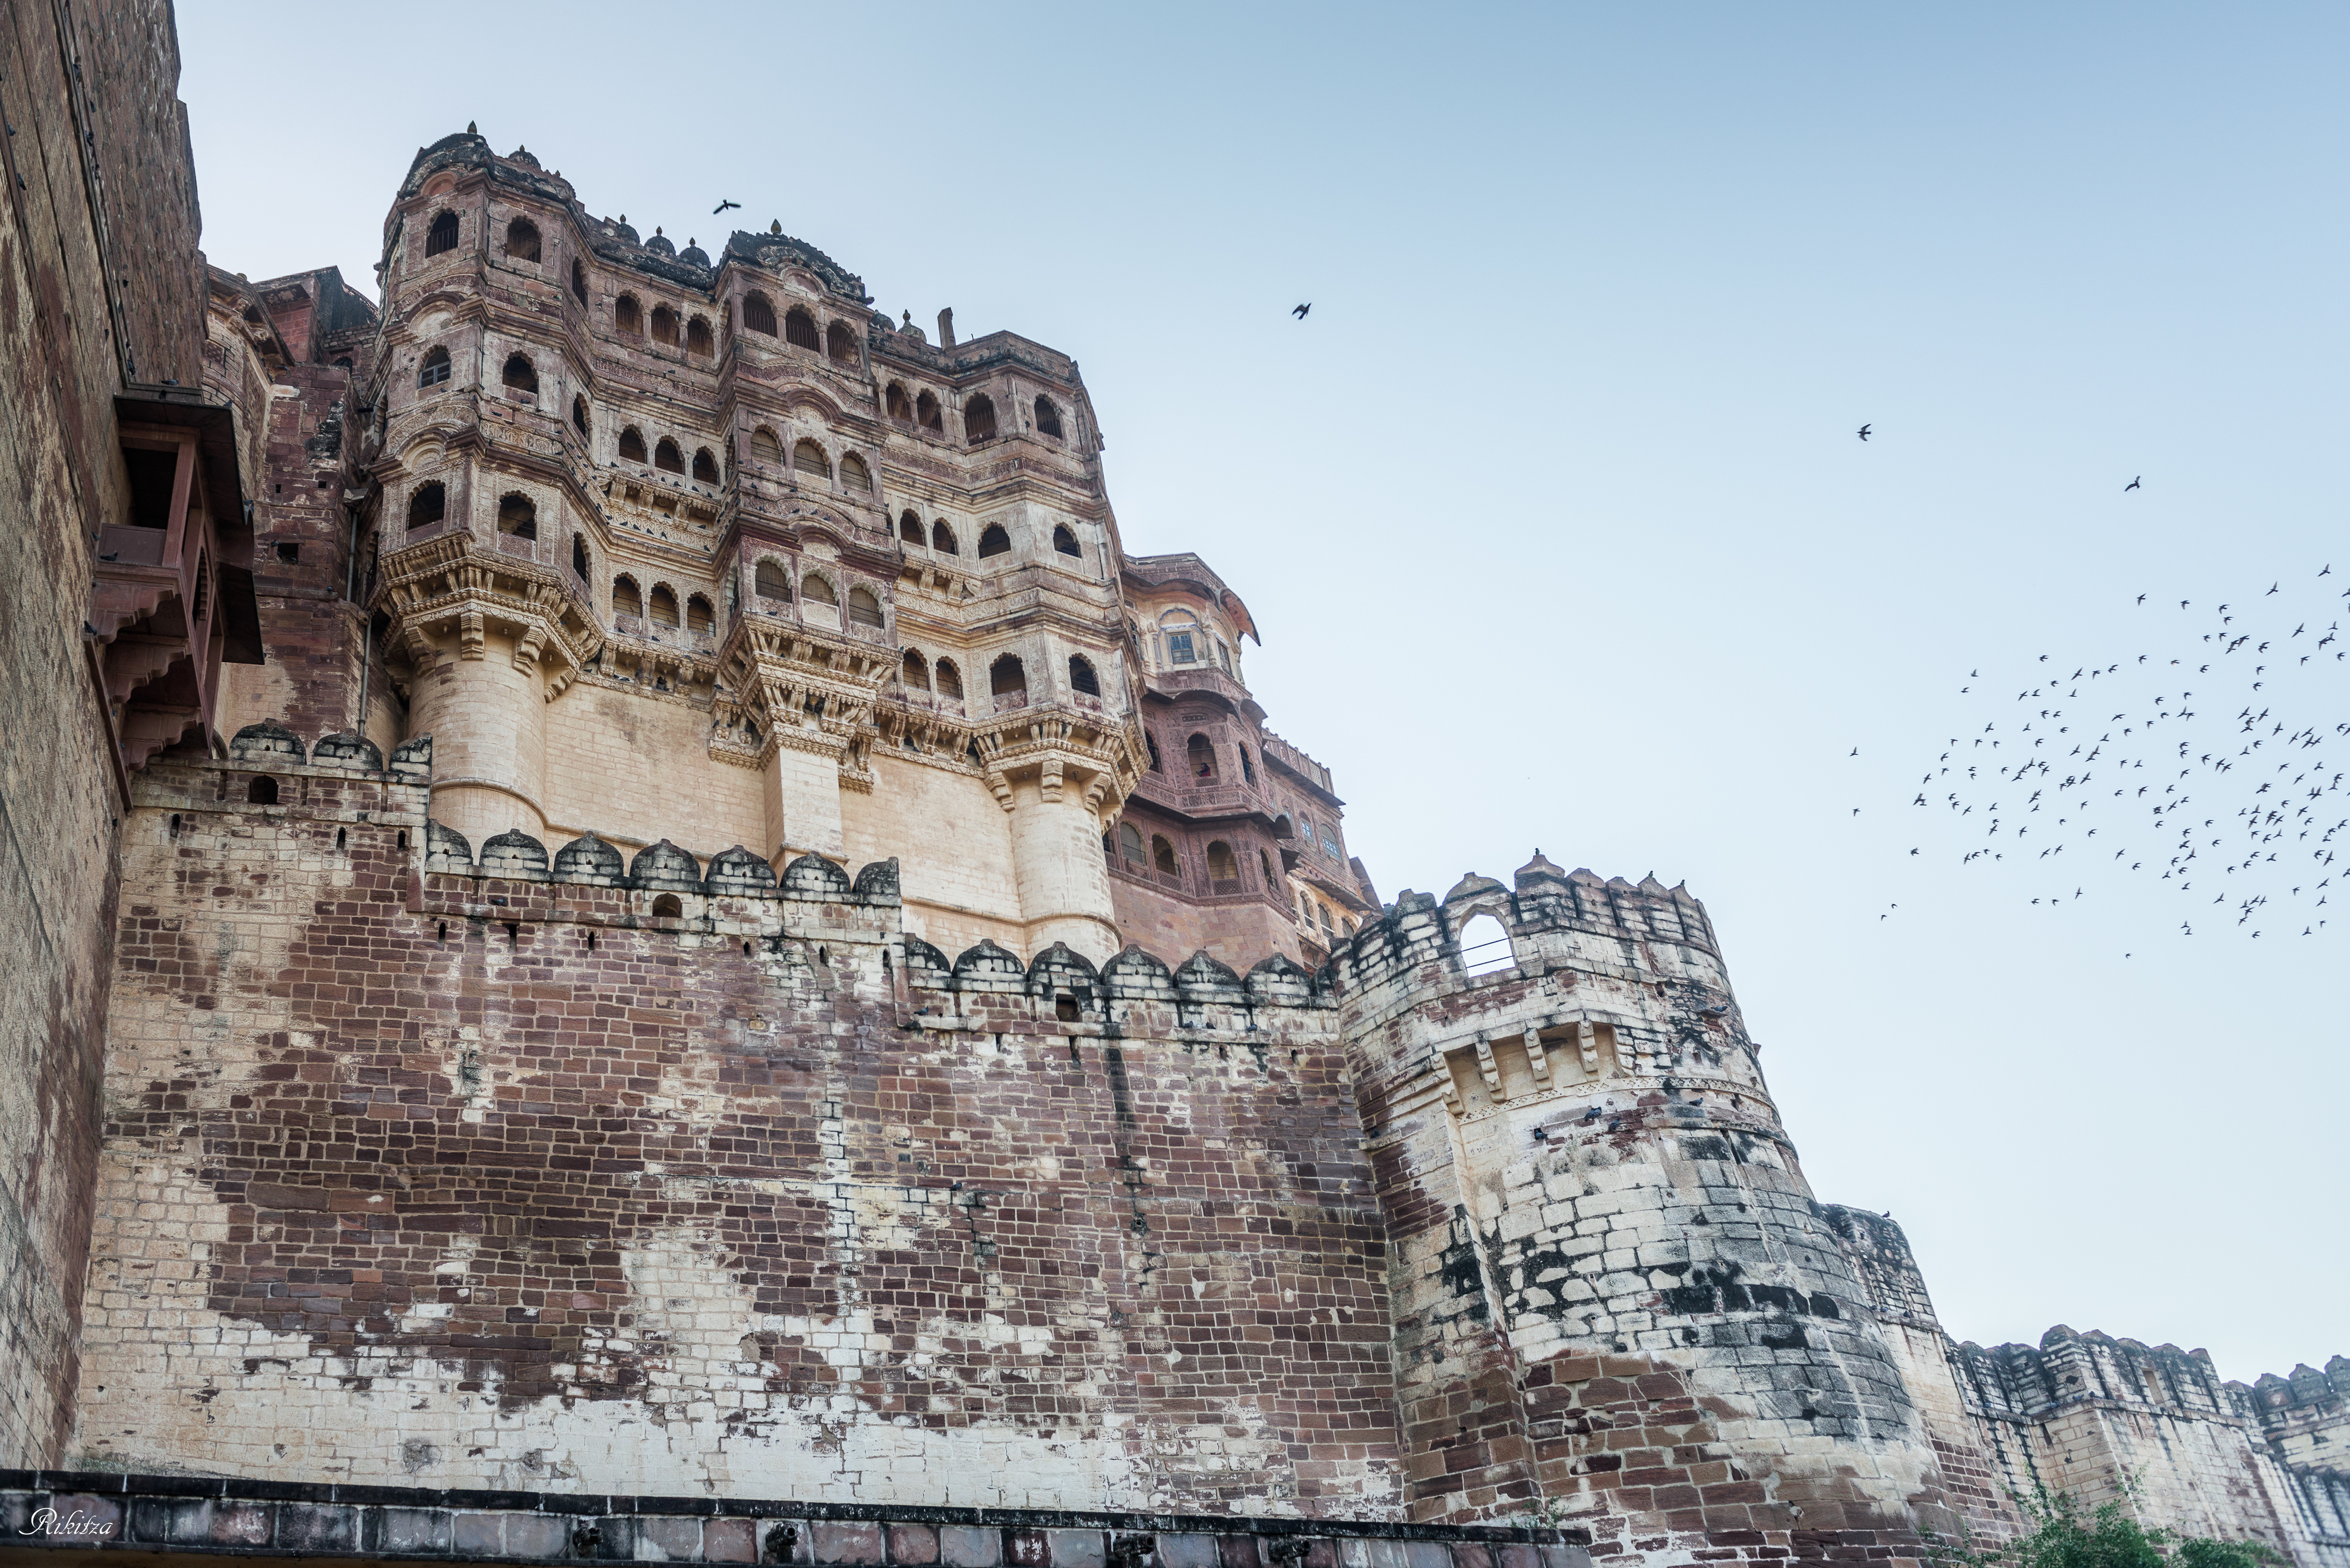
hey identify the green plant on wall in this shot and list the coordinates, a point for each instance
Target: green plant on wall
(2066, 1533)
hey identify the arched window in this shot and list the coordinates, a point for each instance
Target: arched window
(765, 448)
(669, 457)
(664, 606)
(942, 538)
(927, 413)
(705, 466)
(625, 600)
(950, 679)
(993, 541)
(1182, 634)
(632, 444)
(1066, 542)
(1484, 945)
(1199, 756)
(769, 582)
(519, 374)
(1129, 847)
(1223, 871)
(698, 616)
(579, 282)
(979, 419)
(1007, 681)
(855, 477)
(840, 344)
(1163, 854)
(428, 505)
(262, 791)
(1048, 418)
(910, 528)
(799, 328)
(668, 908)
(434, 371)
(1082, 677)
(895, 402)
(697, 336)
(579, 558)
(442, 236)
(580, 415)
(914, 672)
(864, 610)
(815, 590)
(627, 317)
(517, 516)
(522, 240)
(809, 462)
(758, 315)
(665, 326)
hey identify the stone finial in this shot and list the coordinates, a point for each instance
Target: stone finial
(1538, 869)
(347, 749)
(267, 742)
(665, 866)
(1470, 885)
(739, 872)
(514, 853)
(471, 128)
(776, 227)
(588, 858)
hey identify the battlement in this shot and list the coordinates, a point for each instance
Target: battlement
(1559, 924)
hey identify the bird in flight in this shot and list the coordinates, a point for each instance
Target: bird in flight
(2131, 485)
(1866, 427)
(1301, 310)
(723, 206)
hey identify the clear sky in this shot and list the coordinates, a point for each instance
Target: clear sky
(1552, 512)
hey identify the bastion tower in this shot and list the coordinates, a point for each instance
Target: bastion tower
(1617, 1299)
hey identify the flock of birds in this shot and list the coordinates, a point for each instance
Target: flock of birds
(2200, 766)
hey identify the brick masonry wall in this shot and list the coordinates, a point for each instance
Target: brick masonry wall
(95, 185)
(407, 1182)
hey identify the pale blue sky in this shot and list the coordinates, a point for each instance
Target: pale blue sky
(1552, 512)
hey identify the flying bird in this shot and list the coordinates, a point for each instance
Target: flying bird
(1301, 310)
(723, 206)
(1866, 427)
(2131, 485)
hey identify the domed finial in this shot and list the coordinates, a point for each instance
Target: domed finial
(690, 242)
(624, 217)
(776, 227)
(657, 228)
(472, 129)
(908, 316)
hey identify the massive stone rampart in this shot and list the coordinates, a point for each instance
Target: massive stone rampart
(449, 1166)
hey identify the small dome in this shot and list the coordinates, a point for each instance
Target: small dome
(522, 155)
(513, 854)
(694, 254)
(659, 244)
(265, 742)
(624, 231)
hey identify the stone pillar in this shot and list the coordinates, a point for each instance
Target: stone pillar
(486, 713)
(803, 795)
(1057, 859)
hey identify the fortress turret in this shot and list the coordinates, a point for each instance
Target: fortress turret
(1614, 1292)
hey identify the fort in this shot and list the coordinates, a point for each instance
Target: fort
(636, 936)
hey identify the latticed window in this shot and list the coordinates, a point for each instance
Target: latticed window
(443, 235)
(758, 315)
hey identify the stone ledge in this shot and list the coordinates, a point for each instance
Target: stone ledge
(137, 1515)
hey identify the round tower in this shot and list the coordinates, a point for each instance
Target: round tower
(1617, 1300)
